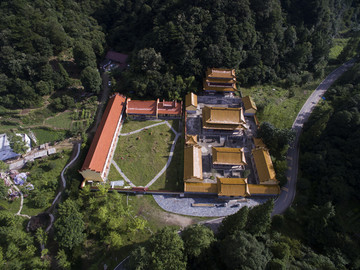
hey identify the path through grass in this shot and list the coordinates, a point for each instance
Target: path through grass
(132, 125)
(142, 155)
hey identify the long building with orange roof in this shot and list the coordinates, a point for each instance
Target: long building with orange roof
(97, 162)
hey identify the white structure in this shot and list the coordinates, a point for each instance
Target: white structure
(5, 150)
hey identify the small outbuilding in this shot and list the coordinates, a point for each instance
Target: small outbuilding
(191, 103)
(249, 106)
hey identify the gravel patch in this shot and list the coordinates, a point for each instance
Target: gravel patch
(182, 206)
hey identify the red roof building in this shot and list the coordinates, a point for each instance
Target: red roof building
(153, 108)
(141, 107)
(169, 108)
(97, 162)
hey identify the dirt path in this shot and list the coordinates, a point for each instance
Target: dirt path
(21, 202)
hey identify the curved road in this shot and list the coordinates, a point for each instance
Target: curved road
(288, 192)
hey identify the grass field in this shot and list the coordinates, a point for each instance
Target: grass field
(132, 125)
(172, 179)
(142, 155)
(62, 120)
(44, 135)
(277, 105)
(114, 175)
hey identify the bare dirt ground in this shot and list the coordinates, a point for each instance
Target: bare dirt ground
(173, 219)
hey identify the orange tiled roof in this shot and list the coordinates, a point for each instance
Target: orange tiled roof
(141, 107)
(169, 107)
(99, 148)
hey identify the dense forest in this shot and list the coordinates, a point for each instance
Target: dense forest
(38, 38)
(170, 43)
(50, 46)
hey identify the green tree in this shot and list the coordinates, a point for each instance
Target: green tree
(69, 226)
(91, 79)
(3, 189)
(233, 223)
(259, 218)
(62, 260)
(3, 166)
(164, 250)
(17, 144)
(147, 59)
(41, 236)
(243, 251)
(84, 54)
(197, 239)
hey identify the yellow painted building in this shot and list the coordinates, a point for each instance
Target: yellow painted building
(259, 143)
(228, 156)
(223, 118)
(220, 80)
(233, 187)
(193, 163)
(249, 106)
(264, 166)
(191, 102)
(201, 187)
(273, 189)
(191, 139)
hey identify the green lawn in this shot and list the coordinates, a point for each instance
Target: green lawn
(172, 179)
(279, 106)
(62, 120)
(114, 175)
(142, 155)
(132, 125)
(44, 135)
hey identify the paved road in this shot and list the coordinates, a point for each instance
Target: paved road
(288, 192)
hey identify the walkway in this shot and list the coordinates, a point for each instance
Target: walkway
(288, 192)
(122, 174)
(152, 181)
(147, 127)
(168, 162)
(21, 200)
